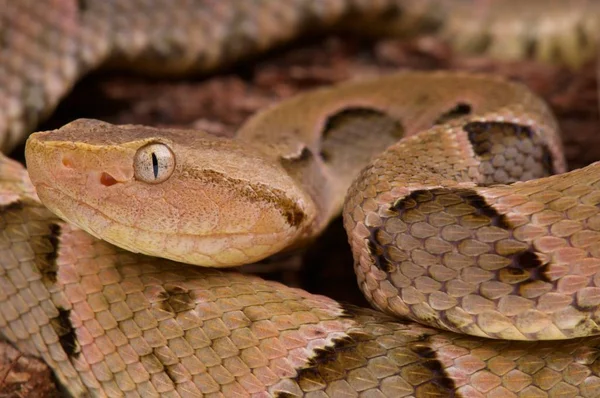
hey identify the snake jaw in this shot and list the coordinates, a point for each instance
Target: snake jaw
(214, 250)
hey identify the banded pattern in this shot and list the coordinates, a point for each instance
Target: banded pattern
(511, 261)
(110, 322)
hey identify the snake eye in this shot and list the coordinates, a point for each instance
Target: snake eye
(153, 163)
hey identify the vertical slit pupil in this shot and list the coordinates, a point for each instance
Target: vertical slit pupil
(155, 165)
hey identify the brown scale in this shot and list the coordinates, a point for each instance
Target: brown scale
(509, 152)
(465, 221)
(475, 259)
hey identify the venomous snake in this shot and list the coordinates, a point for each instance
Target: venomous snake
(440, 230)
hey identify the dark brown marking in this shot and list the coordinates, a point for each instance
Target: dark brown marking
(525, 266)
(351, 311)
(468, 196)
(478, 132)
(66, 332)
(255, 192)
(474, 199)
(547, 162)
(334, 121)
(50, 268)
(461, 109)
(527, 259)
(516, 271)
(176, 299)
(13, 206)
(355, 129)
(343, 354)
(543, 273)
(377, 253)
(45, 261)
(527, 263)
(329, 363)
(442, 382)
(82, 5)
(414, 199)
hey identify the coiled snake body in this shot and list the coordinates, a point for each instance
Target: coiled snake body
(441, 231)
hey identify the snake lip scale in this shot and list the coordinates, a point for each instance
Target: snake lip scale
(478, 251)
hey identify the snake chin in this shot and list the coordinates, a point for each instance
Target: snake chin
(211, 250)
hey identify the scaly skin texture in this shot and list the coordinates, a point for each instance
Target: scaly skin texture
(428, 233)
(432, 241)
(110, 322)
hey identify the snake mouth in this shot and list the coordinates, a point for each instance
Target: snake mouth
(214, 249)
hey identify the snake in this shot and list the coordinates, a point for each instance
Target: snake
(475, 246)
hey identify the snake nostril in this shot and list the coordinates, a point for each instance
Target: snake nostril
(107, 180)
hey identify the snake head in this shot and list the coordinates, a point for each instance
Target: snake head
(179, 194)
